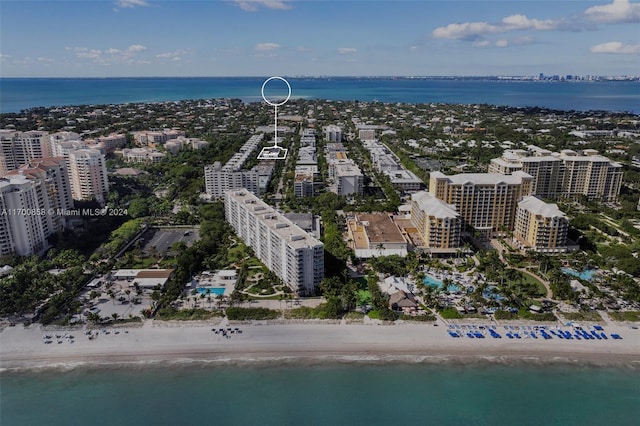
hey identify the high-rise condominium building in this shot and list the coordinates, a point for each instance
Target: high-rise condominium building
(88, 175)
(285, 248)
(541, 226)
(219, 179)
(567, 174)
(17, 148)
(485, 201)
(52, 186)
(590, 175)
(437, 222)
(23, 225)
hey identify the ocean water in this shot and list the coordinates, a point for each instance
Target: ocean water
(354, 394)
(22, 93)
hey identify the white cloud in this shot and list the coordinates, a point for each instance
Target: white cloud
(136, 48)
(465, 30)
(502, 43)
(347, 50)
(108, 56)
(616, 47)
(254, 5)
(4, 56)
(130, 4)
(472, 31)
(266, 47)
(176, 55)
(620, 11)
(481, 43)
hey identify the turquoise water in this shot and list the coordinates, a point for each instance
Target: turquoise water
(23, 93)
(433, 282)
(354, 394)
(211, 290)
(587, 274)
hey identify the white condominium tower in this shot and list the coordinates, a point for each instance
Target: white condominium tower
(485, 201)
(286, 249)
(23, 225)
(17, 148)
(88, 174)
(51, 180)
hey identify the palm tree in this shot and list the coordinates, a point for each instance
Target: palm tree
(115, 316)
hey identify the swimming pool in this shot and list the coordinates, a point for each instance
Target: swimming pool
(587, 274)
(433, 282)
(211, 290)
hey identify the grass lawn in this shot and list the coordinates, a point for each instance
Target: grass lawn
(236, 253)
(582, 316)
(541, 289)
(625, 316)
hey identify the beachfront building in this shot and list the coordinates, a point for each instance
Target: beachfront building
(485, 201)
(17, 148)
(540, 226)
(437, 223)
(288, 251)
(567, 174)
(88, 175)
(219, 179)
(375, 234)
(22, 233)
(144, 278)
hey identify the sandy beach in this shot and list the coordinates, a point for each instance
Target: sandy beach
(156, 341)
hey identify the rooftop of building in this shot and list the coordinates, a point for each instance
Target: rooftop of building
(295, 236)
(379, 228)
(483, 178)
(536, 206)
(432, 206)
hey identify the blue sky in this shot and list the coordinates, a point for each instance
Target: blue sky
(275, 37)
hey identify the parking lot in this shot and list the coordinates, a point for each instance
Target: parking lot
(163, 239)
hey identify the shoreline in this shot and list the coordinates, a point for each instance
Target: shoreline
(159, 343)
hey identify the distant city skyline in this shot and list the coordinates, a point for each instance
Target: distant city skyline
(139, 38)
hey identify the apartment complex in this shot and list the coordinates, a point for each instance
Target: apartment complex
(345, 176)
(485, 201)
(219, 179)
(332, 133)
(154, 138)
(306, 171)
(540, 226)
(142, 155)
(286, 249)
(88, 175)
(24, 228)
(181, 143)
(17, 148)
(567, 174)
(438, 223)
(389, 164)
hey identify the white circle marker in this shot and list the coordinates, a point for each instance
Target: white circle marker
(279, 103)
